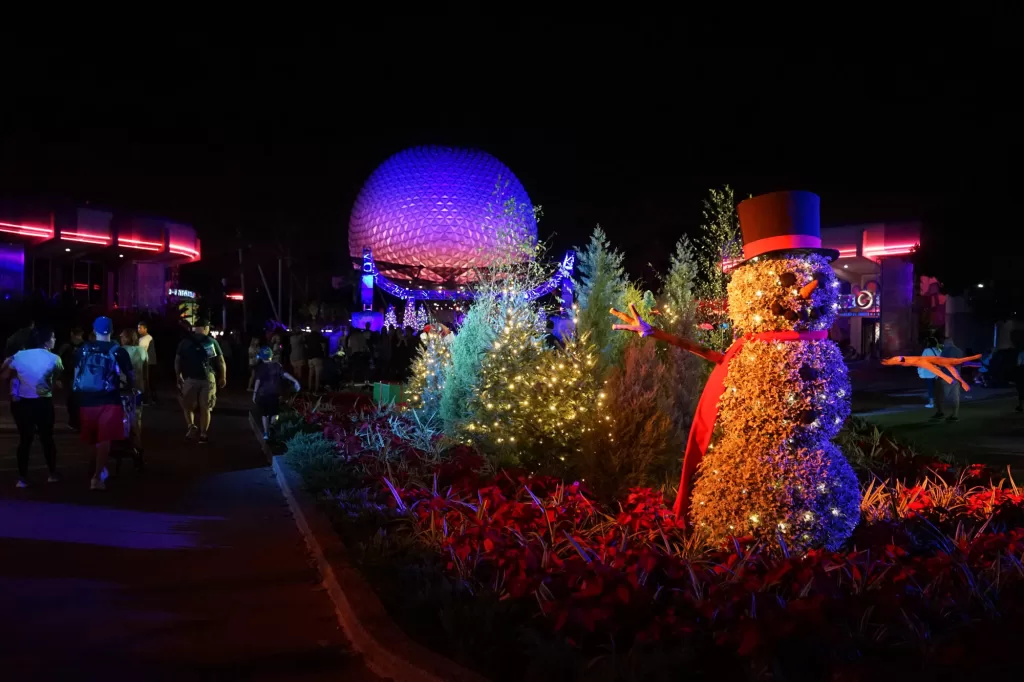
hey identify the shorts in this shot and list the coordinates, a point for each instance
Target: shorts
(268, 405)
(101, 423)
(199, 394)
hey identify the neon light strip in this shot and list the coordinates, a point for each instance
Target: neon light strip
(26, 230)
(140, 244)
(235, 297)
(84, 239)
(182, 250)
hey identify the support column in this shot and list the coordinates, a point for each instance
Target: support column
(897, 307)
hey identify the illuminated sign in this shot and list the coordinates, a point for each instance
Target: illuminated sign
(865, 300)
(181, 293)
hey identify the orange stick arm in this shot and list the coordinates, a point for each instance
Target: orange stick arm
(934, 364)
(635, 323)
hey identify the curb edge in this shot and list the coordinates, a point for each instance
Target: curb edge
(360, 613)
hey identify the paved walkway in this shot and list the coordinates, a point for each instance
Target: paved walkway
(193, 570)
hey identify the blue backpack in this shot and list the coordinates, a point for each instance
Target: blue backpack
(97, 370)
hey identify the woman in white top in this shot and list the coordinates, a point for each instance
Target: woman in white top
(36, 371)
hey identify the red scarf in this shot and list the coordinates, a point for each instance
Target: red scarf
(707, 409)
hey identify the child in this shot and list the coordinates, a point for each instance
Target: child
(267, 393)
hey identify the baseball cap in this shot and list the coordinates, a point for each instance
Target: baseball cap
(103, 325)
(265, 353)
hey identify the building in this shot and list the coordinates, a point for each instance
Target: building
(98, 258)
(881, 306)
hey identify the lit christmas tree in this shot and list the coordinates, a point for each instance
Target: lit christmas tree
(421, 317)
(409, 314)
(390, 318)
(534, 403)
(428, 372)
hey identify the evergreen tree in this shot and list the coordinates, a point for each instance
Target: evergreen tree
(685, 373)
(601, 286)
(720, 245)
(534, 403)
(409, 314)
(390, 319)
(429, 368)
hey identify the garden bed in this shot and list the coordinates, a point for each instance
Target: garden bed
(529, 578)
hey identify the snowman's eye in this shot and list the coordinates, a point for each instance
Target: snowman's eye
(777, 308)
(820, 277)
(787, 279)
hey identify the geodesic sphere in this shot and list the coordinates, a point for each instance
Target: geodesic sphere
(426, 208)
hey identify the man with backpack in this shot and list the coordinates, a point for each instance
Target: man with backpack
(97, 387)
(201, 370)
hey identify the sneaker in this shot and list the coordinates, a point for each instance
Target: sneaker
(22, 483)
(266, 436)
(950, 420)
(203, 439)
(97, 484)
(192, 431)
(930, 406)
(937, 416)
(53, 478)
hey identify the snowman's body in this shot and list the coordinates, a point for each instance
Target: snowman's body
(771, 468)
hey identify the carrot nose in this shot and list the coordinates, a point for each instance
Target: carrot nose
(805, 291)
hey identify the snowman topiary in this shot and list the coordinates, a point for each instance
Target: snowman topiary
(759, 460)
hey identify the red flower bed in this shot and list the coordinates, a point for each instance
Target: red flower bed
(929, 557)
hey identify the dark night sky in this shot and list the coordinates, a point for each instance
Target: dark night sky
(264, 141)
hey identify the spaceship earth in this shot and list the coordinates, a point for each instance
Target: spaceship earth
(425, 210)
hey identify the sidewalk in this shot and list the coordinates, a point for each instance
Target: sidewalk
(193, 570)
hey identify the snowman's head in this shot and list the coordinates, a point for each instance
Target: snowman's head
(784, 291)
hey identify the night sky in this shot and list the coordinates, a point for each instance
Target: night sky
(274, 143)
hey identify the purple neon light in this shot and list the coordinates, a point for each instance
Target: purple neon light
(427, 207)
(562, 275)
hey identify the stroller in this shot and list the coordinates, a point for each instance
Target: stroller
(131, 403)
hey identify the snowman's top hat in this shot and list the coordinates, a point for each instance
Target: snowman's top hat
(782, 221)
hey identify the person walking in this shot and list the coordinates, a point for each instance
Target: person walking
(68, 353)
(149, 370)
(200, 369)
(931, 348)
(98, 368)
(37, 370)
(267, 394)
(297, 353)
(949, 394)
(316, 356)
(135, 390)
(254, 352)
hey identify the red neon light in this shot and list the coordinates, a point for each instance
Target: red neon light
(183, 250)
(85, 238)
(80, 286)
(95, 287)
(890, 249)
(140, 244)
(235, 297)
(26, 230)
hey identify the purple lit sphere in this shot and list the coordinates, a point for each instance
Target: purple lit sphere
(424, 213)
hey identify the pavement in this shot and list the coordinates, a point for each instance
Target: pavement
(192, 570)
